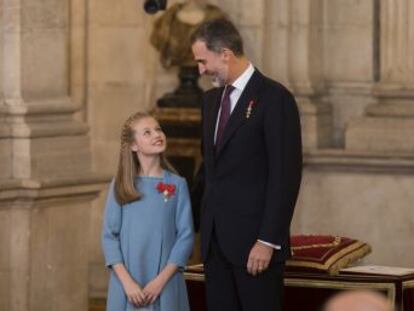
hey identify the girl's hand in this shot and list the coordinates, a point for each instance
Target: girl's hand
(135, 293)
(153, 290)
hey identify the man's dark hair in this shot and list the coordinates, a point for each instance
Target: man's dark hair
(218, 34)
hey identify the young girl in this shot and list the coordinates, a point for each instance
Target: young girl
(147, 233)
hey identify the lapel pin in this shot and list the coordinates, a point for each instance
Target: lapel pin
(252, 103)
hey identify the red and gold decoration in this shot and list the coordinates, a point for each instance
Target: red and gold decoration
(252, 104)
(168, 190)
(324, 253)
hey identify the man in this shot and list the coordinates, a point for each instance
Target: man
(250, 176)
(358, 301)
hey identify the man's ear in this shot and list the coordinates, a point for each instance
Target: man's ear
(227, 54)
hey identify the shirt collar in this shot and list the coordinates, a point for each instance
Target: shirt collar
(242, 80)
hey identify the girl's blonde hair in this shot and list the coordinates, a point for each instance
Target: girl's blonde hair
(128, 165)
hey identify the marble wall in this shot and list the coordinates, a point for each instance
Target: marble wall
(364, 197)
(73, 70)
(46, 179)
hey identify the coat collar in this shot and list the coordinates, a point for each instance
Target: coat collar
(238, 116)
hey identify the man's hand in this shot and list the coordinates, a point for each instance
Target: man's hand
(259, 258)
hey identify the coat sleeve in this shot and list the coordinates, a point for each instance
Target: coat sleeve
(197, 192)
(183, 245)
(197, 189)
(111, 229)
(282, 133)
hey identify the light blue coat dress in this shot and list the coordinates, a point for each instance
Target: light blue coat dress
(145, 236)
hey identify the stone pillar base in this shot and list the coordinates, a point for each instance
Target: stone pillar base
(316, 121)
(44, 230)
(387, 126)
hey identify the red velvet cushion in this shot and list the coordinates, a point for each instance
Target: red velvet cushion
(324, 253)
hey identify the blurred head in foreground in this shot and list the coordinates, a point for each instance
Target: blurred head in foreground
(358, 301)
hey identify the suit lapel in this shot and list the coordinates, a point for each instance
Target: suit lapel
(238, 116)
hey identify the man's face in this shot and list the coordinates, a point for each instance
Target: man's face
(211, 63)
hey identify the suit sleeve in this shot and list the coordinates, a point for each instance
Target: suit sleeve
(282, 135)
(197, 189)
(196, 195)
(183, 245)
(111, 229)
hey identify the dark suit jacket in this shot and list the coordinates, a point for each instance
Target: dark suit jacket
(248, 188)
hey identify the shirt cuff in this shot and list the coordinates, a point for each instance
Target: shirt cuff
(277, 247)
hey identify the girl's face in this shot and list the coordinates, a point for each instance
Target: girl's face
(149, 139)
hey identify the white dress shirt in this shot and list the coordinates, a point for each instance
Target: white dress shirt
(239, 86)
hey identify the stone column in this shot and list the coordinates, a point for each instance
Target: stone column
(46, 182)
(388, 126)
(5, 144)
(293, 55)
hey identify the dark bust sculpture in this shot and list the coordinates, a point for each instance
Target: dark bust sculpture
(171, 37)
